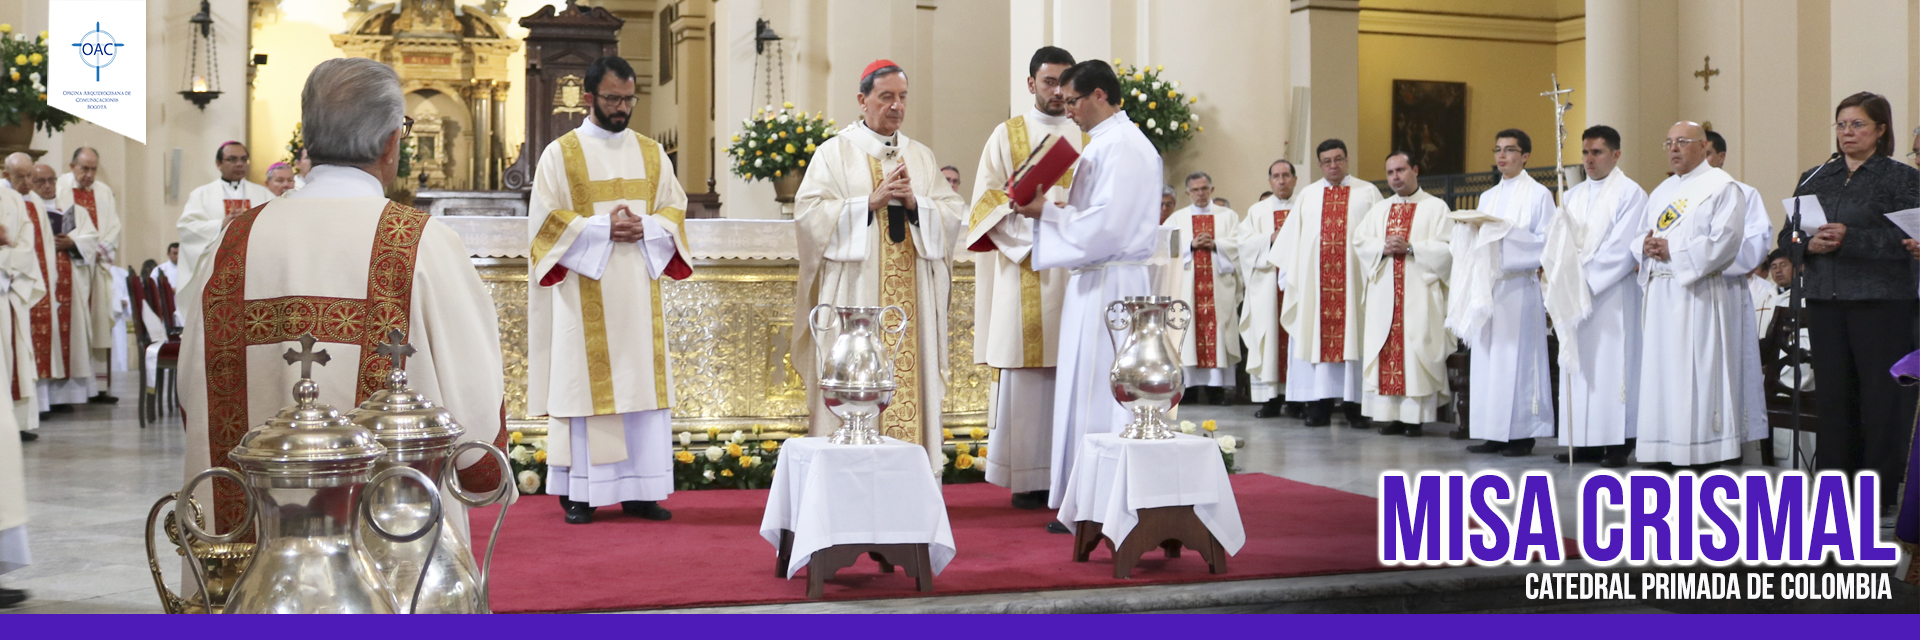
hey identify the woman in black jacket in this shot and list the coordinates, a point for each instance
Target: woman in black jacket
(1860, 291)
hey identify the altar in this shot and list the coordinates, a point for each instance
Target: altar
(728, 327)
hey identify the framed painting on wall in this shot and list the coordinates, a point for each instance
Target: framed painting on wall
(1430, 120)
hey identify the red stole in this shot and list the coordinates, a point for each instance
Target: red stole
(1206, 323)
(42, 314)
(1393, 356)
(84, 198)
(1333, 275)
(1280, 220)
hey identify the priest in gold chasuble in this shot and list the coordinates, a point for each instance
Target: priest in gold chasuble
(877, 224)
(608, 223)
(341, 262)
(1016, 320)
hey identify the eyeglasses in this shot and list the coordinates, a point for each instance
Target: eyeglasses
(1855, 125)
(1074, 101)
(406, 125)
(1676, 142)
(617, 100)
(1507, 149)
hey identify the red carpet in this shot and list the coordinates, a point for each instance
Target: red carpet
(711, 553)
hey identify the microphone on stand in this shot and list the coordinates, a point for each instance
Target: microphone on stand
(1796, 302)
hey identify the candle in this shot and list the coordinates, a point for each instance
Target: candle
(199, 84)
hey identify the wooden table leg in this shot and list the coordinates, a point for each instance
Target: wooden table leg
(785, 557)
(1086, 537)
(915, 558)
(1168, 529)
(923, 557)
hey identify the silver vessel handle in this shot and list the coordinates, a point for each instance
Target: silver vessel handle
(1180, 321)
(432, 526)
(190, 527)
(504, 496)
(904, 320)
(817, 327)
(1117, 320)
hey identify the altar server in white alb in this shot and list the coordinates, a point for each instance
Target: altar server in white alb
(1208, 282)
(1104, 235)
(1017, 308)
(1496, 305)
(1260, 331)
(1594, 302)
(62, 323)
(1749, 380)
(1695, 222)
(213, 204)
(1405, 260)
(608, 224)
(106, 304)
(1314, 263)
(877, 225)
(20, 273)
(341, 262)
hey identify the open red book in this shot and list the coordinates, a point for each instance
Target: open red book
(1043, 168)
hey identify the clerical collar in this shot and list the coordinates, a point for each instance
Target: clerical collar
(1051, 121)
(338, 181)
(589, 129)
(235, 185)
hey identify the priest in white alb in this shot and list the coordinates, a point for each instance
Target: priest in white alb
(210, 206)
(108, 331)
(1314, 263)
(20, 270)
(877, 226)
(1104, 237)
(1209, 283)
(1750, 380)
(339, 262)
(608, 225)
(1496, 306)
(62, 324)
(1594, 302)
(1016, 326)
(1691, 408)
(1405, 259)
(1260, 331)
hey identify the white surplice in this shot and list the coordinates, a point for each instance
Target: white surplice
(1016, 309)
(1314, 371)
(20, 272)
(1496, 307)
(1221, 349)
(1691, 409)
(1259, 318)
(843, 262)
(603, 379)
(1406, 295)
(205, 214)
(1105, 236)
(319, 244)
(103, 210)
(1750, 380)
(66, 376)
(1594, 302)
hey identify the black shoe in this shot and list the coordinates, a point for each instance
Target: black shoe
(10, 598)
(1293, 409)
(1490, 446)
(1517, 448)
(1581, 454)
(1030, 500)
(1616, 456)
(103, 398)
(1219, 395)
(1393, 429)
(1354, 418)
(44, 415)
(1459, 433)
(577, 512)
(646, 509)
(1413, 430)
(1661, 467)
(1319, 414)
(29, 436)
(1056, 527)
(1271, 409)
(63, 408)
(1195, 395)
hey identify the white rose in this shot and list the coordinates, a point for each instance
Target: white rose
(1176, 84)
(747, 123)
(1195, 117)
(752, 144)
(686, 439)
(943, 461)
(1228, 444)
(1186, 426)
(782, 118)
(522, 455)
(35, 77)
(714, 454)
(738, 437)
(709, 475)
(756, 162)
(1154, 125)
(1159, 131)
(529, 482)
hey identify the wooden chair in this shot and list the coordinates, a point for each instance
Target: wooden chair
(158, 395)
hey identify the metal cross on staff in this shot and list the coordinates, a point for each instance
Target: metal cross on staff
(306, 356)
(396, 349)
(1560, 134)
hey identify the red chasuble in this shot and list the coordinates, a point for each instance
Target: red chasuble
(1333, 275)
(1393, 355)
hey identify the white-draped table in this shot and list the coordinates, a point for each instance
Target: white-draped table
(1151, 494)
(830, 504)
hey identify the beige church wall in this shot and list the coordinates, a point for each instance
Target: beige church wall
(1238, 68)
(1499, 96)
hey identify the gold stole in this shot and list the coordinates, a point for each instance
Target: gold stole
(1033, 341)
(899, 287)
(586, 193)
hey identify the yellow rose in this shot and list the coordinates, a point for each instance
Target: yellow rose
(983, 451)
(770, 445)
(790, 147)
(803, 163)
(1203, 129)
(713, 432)
(1193, 99)
(946, 433)
(736, 138)
(810, 148)
(726, 472)
(776, 173)
(43, 97)
(746, 462)
(1139, 77)
(1153, 105)
(963, 448)
(1183, 126)
(1209, 425)
(16, 76)
(786, 105)
(759, 153)
(1160, 68)
(20, 59)
(783, 135)
(43, 35)
(540, 456)
(978, 433)
(1116, 62)
(684, 457)
(829, 122)
(964, 461)
(733, 449)
(514, 437)
(35, 58)
(6, 28)
(1173, 94)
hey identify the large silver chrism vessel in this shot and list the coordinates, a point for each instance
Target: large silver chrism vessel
(856, 372)
(1147, 377)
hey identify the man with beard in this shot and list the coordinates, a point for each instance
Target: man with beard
(607, 224)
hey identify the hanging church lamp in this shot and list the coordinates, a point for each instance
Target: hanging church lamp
(203, 68)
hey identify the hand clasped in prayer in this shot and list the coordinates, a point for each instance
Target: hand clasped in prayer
(626, 226)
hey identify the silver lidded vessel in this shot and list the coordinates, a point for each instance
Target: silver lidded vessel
(1147, 377)
(856, 372)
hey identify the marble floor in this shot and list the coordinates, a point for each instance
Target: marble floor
(94, 473)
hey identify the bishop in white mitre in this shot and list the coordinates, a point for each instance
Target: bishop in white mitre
(1314, 263)
(1496, 305)
(342, 263)
(1209, 283)
(108, 330)
(62, 324)
(1695, 223)
(1750, 380)
(1104, 236)
(20, 272)
(1405, 258)
(211, 205)
(1260, 331)
(608, 225)
(877, 225)
(1594, 302)
(1016, 326)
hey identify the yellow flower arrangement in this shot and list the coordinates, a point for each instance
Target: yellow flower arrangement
(978, 433)
(1209, 425)
(770, 131)
(514, 437)
(946, 433)
(1155, 105)
(964, 461)
(35, 58)
(963, 448)
(540, 457)
(983, 451)
(770, 445)
(684, 457)
(726, 472)
(747, 462)
(733, 449)
(6, 29)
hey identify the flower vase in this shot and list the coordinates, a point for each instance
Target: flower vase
(783, 189)
(16, 137)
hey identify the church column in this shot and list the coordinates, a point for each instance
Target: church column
(1084, 27)
(1027, 22)
(693, 84)
(480, 109)
(497, 164)
(1613, 89)
(1324, 51)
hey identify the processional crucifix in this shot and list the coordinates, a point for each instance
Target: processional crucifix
(1559, 135)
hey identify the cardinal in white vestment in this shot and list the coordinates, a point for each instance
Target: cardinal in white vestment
(1260, 330)
(608, 224)
(1695, 222)
(1750, 380)
(61, 322)
(20, 269)
(108, 331)
(1594, 302)
(210, 206)
(1016, 326)
(342, 263)
(1405, 260)
(1209, 283)
(1314, 263)
(877, 224)
(1496, 305)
